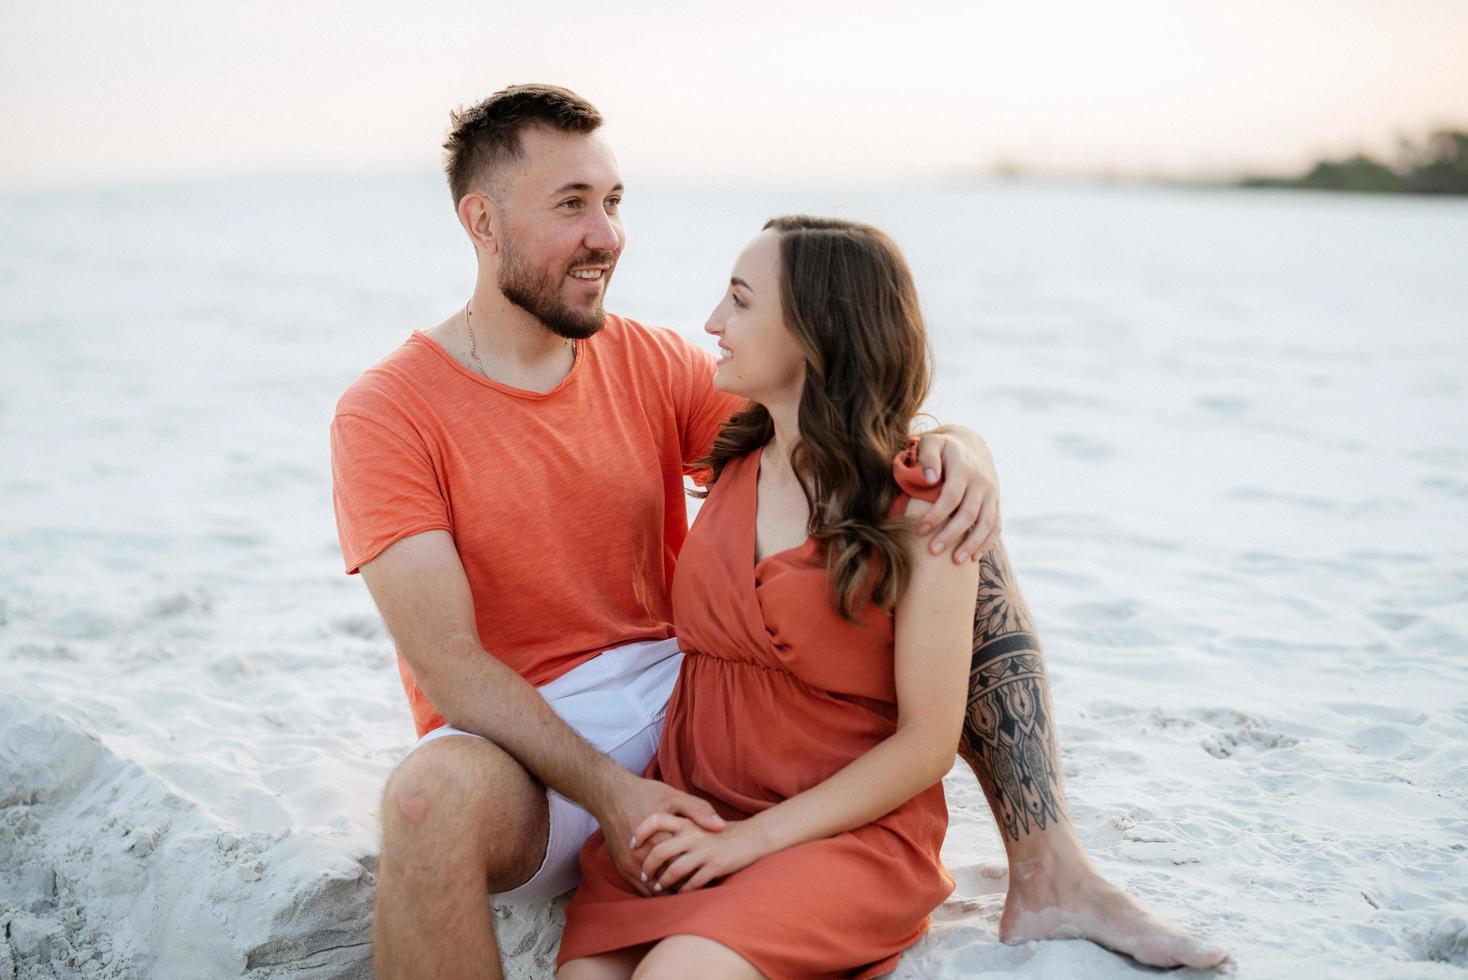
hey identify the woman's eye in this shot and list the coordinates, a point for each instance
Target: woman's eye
(734, 298)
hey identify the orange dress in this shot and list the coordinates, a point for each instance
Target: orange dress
(776, 694)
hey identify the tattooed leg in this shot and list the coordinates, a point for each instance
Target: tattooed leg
(1009, 742)
(1009, 731)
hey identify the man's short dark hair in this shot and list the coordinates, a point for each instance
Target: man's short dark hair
(487, 134)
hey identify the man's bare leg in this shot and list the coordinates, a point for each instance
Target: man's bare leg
(460, 820)
(1009, 741)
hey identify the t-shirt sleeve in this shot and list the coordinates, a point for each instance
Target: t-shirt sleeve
(383, 486)
(706, 407)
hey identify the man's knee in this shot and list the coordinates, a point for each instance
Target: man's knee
(460, 798)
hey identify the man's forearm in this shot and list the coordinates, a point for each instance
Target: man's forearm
(476, 692)
(1009, 729)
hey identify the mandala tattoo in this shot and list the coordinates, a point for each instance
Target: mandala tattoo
(1008, 732)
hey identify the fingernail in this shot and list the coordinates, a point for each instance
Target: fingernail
(633, 843)
(961, 555)
(644, 876)
(932, 475)
(938, 547)
(657, 888)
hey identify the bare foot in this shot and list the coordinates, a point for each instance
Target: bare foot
(1087, 906)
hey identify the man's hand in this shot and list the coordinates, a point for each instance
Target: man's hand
(628, 802)
(967, 509)
(690, 856)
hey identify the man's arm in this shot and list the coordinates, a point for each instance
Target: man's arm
(966, 512)
(420, 588)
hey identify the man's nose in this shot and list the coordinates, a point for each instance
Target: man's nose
(603, 235)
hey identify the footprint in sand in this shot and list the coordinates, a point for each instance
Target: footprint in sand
(1223, 404)
(363, 627)
(1265, 495)
(1235, 732)
(1083, 448)
(1447, 942)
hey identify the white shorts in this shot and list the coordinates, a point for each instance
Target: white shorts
(616, 701)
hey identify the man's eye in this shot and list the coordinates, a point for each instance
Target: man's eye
(614, 202)
(571, 202)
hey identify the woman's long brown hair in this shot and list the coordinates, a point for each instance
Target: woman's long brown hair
(850, 302)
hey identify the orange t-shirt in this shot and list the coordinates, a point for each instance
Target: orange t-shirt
(566, 507)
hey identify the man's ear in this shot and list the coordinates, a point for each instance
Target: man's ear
(480, 218)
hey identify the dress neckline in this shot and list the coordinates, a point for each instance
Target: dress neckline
(753, 536)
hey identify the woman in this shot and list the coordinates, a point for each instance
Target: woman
(824, 683)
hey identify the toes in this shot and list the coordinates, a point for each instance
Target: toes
(1151, 952)
(1197, 953)
(1178, 950)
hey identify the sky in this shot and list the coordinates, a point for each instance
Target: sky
(799, 89)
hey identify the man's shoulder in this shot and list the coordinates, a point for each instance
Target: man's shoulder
(650, 345)
(388, 385)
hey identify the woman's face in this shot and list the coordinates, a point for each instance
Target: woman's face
(759, 357)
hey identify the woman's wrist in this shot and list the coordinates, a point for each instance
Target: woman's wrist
(765, 832)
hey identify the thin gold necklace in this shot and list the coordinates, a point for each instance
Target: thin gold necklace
(474, 348)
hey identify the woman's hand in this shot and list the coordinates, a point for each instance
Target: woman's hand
(628, 798)
(691, 857)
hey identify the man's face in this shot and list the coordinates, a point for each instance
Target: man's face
(561, 233)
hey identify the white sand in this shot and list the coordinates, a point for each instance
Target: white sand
(1233, 434)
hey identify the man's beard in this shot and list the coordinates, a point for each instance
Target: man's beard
(540, 294)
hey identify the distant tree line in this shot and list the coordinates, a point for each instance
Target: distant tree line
(1436, 165)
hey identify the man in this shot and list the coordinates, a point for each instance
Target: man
(509, 484)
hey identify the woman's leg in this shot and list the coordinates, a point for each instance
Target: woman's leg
(678, 957)
(616, 965)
